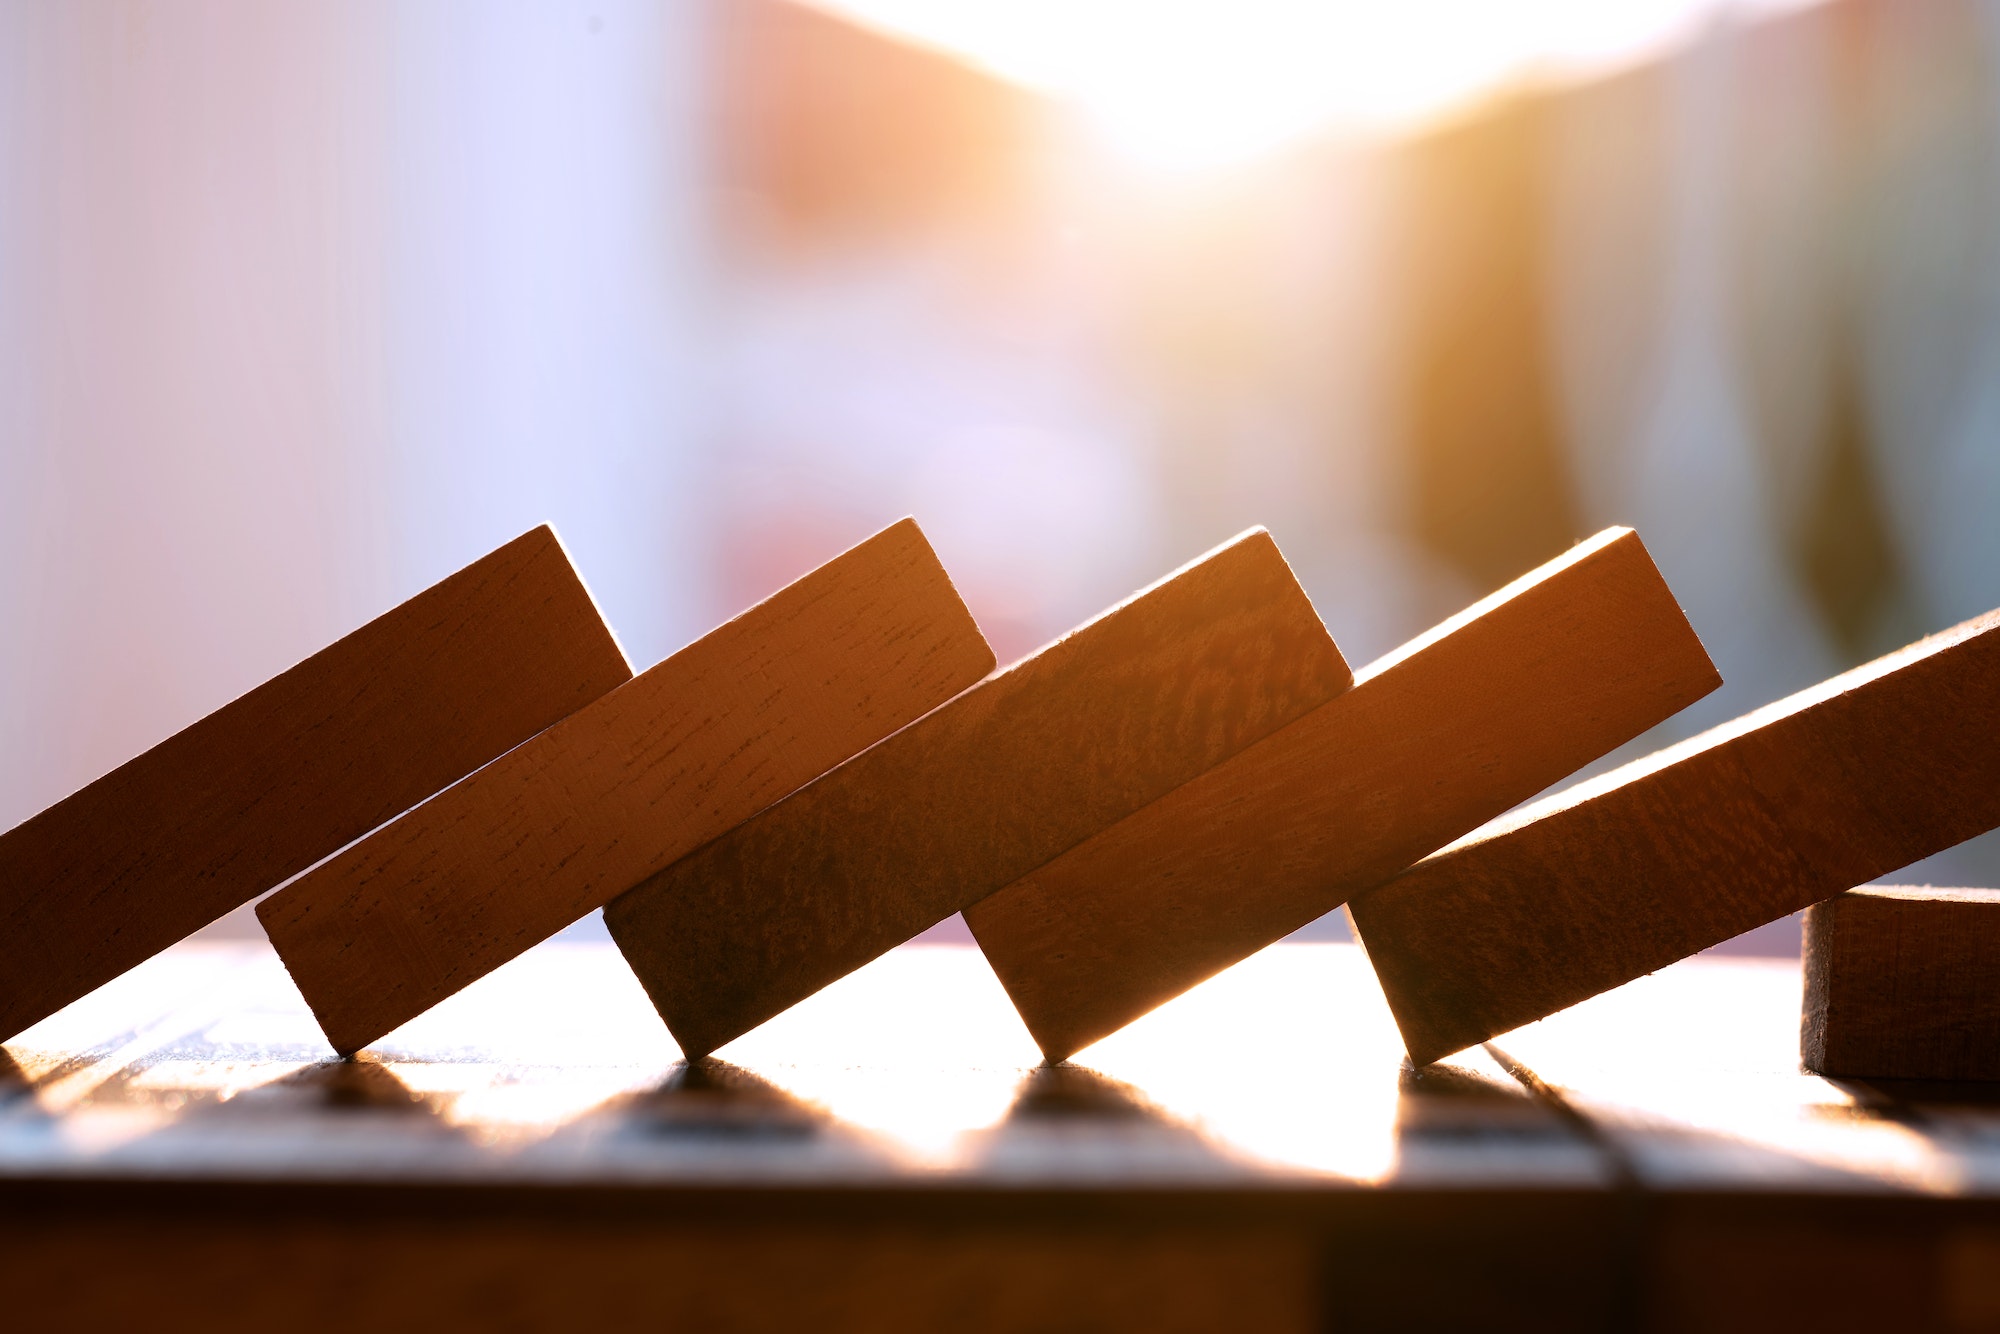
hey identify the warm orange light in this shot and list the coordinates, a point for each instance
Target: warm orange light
(1188, 85)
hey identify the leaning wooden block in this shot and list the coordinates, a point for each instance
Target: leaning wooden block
(656, 768)
(1483, 712)
(1742, 825)
(1903, 982)
(972, 797)
(312, 759)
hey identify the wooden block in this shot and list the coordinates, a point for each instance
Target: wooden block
(936, 817)
(1749, 822)
(1903, 983)
(655, 769)
(312, 759)
(1442, 735)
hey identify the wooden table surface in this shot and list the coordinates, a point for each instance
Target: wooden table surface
(534, 1154)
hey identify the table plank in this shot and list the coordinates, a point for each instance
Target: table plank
(892, 1161)
(1771, 1197)
(205, 1064)
(1694, 1074)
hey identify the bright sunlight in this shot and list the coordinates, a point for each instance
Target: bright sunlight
(1191, 85)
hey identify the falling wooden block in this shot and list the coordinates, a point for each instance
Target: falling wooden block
(1742, 825)
(652, 771)
(1903, 982)
(1442, 735)
(312, 759)
(972, 797)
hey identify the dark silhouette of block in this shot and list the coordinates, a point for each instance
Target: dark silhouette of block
(312, 759)
(1564, 664)
(977, 794)
(1747, 823)
(1903, 982)
(652, 771)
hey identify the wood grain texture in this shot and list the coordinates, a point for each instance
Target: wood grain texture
(911, 1078)
(656, 768)
(653, 1275)
(280, 777)
(1903, 983)
(1577, 657)
(536, 1156)
(1770, 1198)
(1044, 754)
(1742, 825)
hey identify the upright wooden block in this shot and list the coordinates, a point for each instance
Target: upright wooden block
(975, 795)
(312, 759)
(1742, 825)
(1903, 982)
(652, 771)
(1481, 713)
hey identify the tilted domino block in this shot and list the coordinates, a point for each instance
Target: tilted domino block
(1742, 825)
(656, 768)
(972, 797)
(315, 757)
(1483, 712)
(1903, 982)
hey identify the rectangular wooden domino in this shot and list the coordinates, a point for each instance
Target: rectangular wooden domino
(972, 797)
(1903, 982)
(1564, 664)
(655, 769)
(312, 759)
(1749, 822)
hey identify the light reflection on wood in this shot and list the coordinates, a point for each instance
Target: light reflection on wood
(207, 1060)
(1283, 1070)
(1695, 1072)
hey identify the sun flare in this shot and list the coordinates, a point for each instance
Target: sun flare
(1191, 85)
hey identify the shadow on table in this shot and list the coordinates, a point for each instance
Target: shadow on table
(1066, 1091)
(14, 1080)
(1069, 1123)
(332, 1118)
(1910, 1099)
(349, 1084)
(710, 1097)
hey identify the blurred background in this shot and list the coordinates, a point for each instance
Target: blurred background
(304, 306)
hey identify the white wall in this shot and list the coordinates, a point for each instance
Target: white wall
(302, 307)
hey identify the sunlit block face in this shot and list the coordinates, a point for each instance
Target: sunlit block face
(1202, 84)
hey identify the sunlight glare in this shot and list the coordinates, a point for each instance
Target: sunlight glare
(1193, 85)
(884, 1051)
(1700, 1063)
(1212, 1059)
